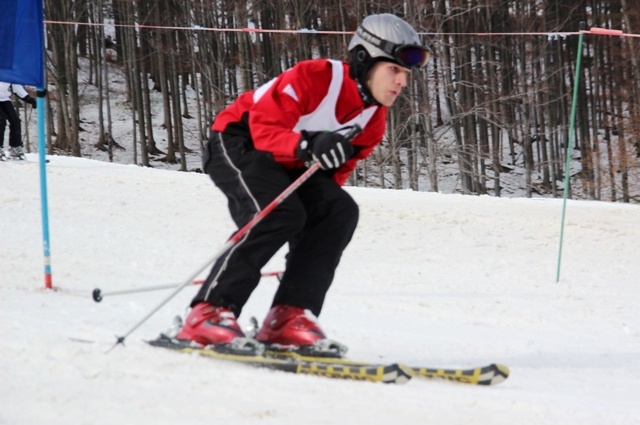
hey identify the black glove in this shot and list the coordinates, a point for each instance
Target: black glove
(331, 150)
(31, 101)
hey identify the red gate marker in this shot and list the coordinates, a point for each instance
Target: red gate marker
(605, 31)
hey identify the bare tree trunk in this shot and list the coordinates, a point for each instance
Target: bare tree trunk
(394, 149)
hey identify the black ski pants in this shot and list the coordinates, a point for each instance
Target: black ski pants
(317, 220)
(8, 113)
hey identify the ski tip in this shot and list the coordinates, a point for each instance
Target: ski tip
(494, 374)
(502, 371)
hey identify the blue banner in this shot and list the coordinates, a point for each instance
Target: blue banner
(22, 42)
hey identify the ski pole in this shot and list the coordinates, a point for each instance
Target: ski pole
(355, 130)
(98, 294)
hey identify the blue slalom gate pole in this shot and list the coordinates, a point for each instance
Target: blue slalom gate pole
(42, 150)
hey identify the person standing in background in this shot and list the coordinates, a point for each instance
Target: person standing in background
(8, 113)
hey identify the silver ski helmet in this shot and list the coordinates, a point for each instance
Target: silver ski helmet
(385, 37)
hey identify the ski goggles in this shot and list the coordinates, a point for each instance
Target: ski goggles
(408, 55)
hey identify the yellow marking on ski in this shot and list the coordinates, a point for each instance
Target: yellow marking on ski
(456, 375)
(373, 374)
(234, 357)
(291, 355)
(474, 376)
(480, 375)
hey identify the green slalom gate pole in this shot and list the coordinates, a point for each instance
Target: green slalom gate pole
(567, 170)
(596, 31)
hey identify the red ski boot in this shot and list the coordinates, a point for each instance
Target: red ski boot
(207, 324)
(288, 328)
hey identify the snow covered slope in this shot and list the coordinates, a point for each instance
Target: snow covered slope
(429, 279)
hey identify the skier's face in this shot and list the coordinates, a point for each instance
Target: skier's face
(386, 80)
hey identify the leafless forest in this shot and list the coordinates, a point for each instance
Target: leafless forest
(492, 107)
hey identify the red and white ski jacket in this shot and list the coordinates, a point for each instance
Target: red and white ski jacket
(314, 95)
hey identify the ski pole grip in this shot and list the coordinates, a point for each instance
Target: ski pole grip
(355, 130)
(348, 136)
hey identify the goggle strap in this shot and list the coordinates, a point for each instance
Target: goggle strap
(382, 44)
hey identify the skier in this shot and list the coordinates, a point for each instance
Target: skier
(8, 113)
(260, 144)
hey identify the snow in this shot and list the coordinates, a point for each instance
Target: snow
(429, 279)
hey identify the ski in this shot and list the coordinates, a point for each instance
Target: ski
(388, 374)
(337, 367)
(491, 374)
